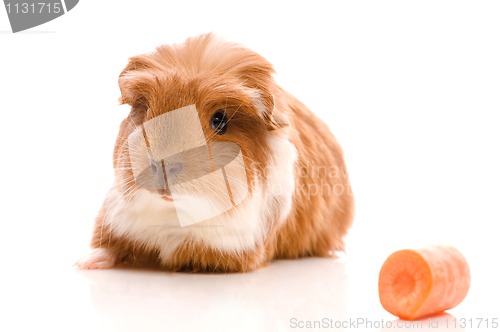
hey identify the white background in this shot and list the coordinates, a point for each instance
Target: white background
(410, 89)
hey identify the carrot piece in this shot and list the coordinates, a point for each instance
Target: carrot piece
(415, 283)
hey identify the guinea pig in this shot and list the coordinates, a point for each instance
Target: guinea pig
(217, 168)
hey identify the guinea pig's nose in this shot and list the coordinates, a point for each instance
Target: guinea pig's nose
(163, 172)
(153, 176)
(172, 170)
(156, 168)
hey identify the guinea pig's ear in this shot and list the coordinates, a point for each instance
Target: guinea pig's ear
(256, 74)
(135, 82)
(277, 119)
(268, 109)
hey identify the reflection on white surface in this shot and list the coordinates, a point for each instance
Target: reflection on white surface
(291, 295)
(265, 300)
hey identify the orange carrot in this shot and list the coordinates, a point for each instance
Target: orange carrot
(422, 282)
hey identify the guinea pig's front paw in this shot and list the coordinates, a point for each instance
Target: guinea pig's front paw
(99, 258)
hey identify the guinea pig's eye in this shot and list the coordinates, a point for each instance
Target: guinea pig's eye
(219, 122)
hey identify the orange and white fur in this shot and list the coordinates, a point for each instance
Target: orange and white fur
(299, 200)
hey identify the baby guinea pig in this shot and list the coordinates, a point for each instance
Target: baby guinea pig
(217, 168)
